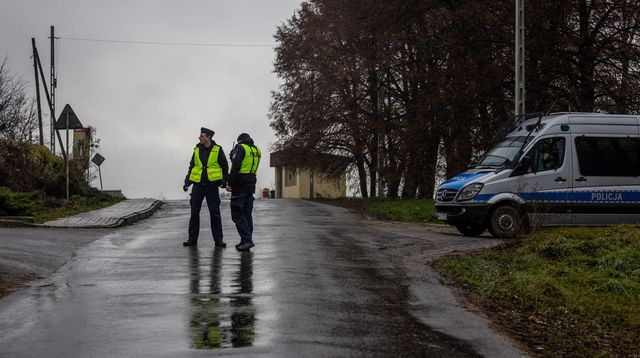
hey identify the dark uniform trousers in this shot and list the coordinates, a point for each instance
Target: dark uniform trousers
(241, 208)
(210, 192)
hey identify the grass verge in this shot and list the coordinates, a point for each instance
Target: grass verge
(565, 291)
(405, 210)
(45, 208)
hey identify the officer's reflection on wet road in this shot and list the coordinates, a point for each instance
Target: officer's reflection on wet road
(223, 315)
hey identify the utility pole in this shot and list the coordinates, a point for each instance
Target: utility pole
(53, 91)
(380, 140)
(35, 72)
(519, 86)
(46, 92)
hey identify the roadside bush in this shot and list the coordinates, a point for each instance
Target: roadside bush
(26, 167)
(16, 204)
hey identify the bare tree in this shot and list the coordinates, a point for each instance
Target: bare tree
(18, 118)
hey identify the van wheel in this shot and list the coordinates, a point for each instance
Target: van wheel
(471, 230)
(505, 221)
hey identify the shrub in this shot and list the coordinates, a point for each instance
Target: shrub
(16, 204)
(28, 167)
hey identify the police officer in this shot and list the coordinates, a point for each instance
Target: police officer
(245, 158)
(207, 171)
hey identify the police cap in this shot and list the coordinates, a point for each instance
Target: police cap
(207, 131)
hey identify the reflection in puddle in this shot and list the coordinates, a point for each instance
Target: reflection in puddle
(221, 319)
(243, 317)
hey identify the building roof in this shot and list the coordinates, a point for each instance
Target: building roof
(286, 157)
(279, 158)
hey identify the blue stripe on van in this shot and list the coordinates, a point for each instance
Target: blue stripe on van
(546, 196)
(567, 196)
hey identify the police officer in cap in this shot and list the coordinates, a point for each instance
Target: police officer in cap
(207, 171)
(245, 158)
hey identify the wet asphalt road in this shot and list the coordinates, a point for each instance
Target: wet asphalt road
(321, 282)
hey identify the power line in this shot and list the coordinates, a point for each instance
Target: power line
(167, 43)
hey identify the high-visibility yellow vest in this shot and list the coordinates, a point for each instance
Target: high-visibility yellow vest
(214, 172)
(251, 159)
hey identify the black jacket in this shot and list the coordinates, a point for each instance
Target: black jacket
(204, 158)
(241, 183)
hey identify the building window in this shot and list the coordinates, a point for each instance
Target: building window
(290, 176)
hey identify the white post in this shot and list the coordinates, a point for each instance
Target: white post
(68, 154)
(100, 173)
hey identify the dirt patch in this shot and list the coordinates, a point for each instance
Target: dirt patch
(11, 282)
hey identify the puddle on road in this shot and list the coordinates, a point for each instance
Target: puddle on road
(221, 319)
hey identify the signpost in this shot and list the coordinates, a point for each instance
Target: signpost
(97, 160)
(68, 120)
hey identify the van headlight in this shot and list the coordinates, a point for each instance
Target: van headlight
(469, 191)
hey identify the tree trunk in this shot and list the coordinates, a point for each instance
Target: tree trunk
(429, 177)
(362, 176)
(458, 151)
(373, 167)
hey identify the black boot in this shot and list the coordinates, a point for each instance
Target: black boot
(190, 243)
(245, 247)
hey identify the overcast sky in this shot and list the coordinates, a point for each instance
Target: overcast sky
(148, 102)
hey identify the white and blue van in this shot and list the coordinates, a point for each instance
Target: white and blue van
(549, 170)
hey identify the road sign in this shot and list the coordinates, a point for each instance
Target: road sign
(97, 159)
(74, 122)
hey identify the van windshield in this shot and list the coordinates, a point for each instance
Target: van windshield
(502, 153)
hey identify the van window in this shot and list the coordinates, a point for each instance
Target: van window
(502, 152)
(547, 154)
(608, 156)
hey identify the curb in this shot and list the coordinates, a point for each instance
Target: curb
(17, 223)
(130, 219)
(122, 221)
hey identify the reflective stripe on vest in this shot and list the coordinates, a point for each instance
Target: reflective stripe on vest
(214, 172)
(251, 159)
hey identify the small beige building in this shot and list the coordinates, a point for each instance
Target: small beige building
(295, 181)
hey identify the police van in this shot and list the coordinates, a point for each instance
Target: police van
(549, 170)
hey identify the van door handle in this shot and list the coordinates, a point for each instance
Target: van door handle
(581, 179)
(560, 180)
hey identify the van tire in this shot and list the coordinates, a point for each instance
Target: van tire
(505, 221)
(471, 230)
